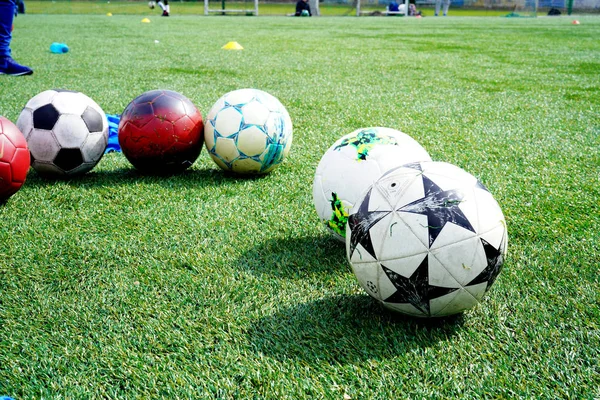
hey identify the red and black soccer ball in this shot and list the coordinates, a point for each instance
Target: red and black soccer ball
(14, 159)
(161, 132)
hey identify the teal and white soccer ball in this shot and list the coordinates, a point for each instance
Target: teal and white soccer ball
(248, 131)
(352, 164)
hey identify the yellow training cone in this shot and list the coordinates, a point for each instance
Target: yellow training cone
(233, 46)
(146, 20)
(109, 14)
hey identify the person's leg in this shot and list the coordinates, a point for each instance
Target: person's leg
(446, 6)
(8, 66)
(7, 15)
(164, 5)
(438, 4)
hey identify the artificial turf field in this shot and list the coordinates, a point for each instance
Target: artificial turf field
(205, 285)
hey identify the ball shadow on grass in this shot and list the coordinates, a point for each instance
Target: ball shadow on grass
(346, 329)
(296, 257)
(125, 176)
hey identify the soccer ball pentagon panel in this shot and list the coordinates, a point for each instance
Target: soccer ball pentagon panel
(248, 131)
(14, 159)
(66, 131)
(427, 239)
(352, 164)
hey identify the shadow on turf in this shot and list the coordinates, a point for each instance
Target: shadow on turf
(293, 258)
(346, 329)
(127, 176)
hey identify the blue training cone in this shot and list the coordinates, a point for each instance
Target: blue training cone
(58, 48)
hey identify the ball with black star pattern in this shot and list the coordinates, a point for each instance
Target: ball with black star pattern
(427, 239)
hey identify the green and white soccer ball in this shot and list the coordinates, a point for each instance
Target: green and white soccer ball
(248, 131)
(352, 164)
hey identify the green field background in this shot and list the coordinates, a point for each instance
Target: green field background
(205, 285)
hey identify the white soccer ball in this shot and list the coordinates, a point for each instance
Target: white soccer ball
(66, 132)
(352, 164)
(152, 4)
(427, 239)
(248, 131)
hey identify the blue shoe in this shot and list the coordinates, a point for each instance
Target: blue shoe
(8, 66)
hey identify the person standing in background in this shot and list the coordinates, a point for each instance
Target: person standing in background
(438, 5)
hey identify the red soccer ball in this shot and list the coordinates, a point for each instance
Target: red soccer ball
(14, 159)
(161, 132)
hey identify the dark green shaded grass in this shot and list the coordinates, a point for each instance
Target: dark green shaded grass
(121, 285)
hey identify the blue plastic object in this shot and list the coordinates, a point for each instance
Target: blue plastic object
(113, 134)
(59, 48)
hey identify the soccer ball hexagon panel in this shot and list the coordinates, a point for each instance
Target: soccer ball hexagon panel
(352, 164)
(248, 131)
(66, 132)
(14, 159)
(161, 132)
(427, 239)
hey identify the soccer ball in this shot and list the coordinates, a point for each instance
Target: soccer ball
(161, 132)
(14, 159)
(66, 132)
(427, 239)
(352, 164)
(151, 4)
(248, 131)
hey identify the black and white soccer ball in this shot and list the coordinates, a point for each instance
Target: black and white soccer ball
(66, 132)
(427, 239)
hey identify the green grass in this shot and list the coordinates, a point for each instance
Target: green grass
(203, 285)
